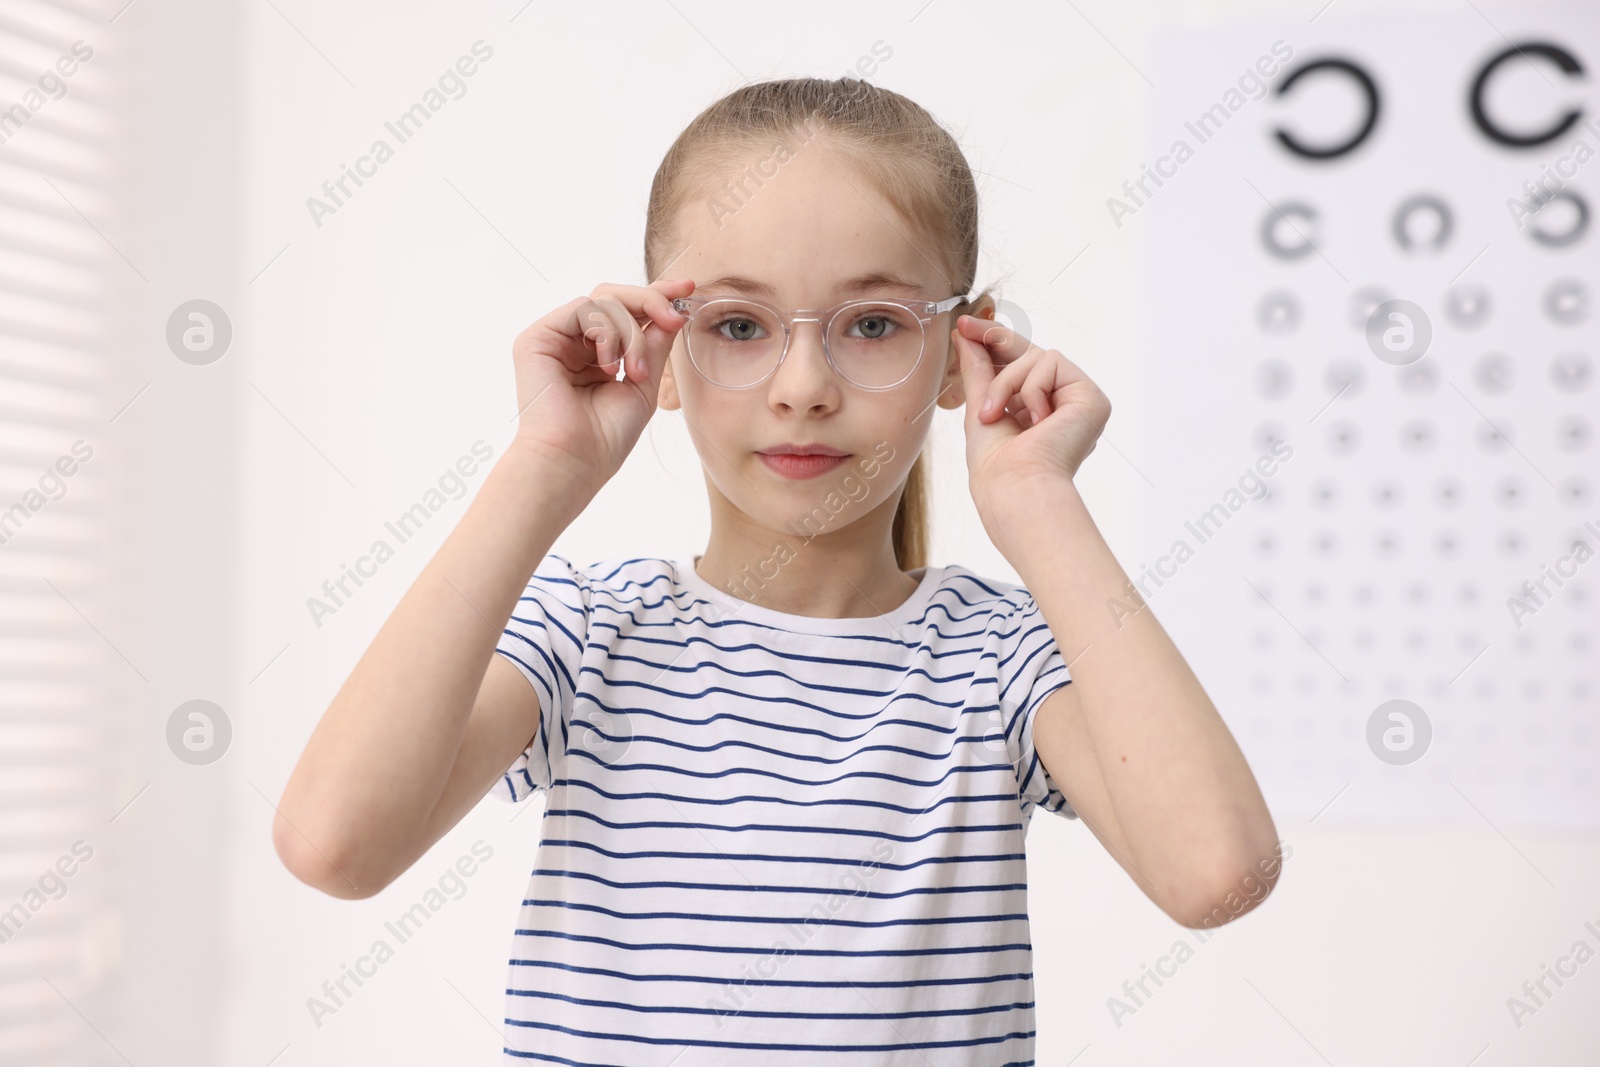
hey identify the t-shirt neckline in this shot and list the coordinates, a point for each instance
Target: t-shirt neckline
(928, 579)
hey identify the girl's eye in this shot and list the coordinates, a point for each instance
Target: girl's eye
(742, 329)
(874, 327)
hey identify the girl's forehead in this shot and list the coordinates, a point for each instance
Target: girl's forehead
(783, 249)
(826, 285)
(814, 197)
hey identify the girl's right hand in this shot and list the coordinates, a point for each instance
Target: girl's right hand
(572, 409)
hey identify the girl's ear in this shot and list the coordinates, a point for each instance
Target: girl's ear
(667, 398)
(952, 394)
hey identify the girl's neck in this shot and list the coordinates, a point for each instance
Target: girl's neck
(803, 578)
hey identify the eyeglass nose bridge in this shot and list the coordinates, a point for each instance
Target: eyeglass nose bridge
(825, 325)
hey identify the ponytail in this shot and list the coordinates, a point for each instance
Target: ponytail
(911, 518)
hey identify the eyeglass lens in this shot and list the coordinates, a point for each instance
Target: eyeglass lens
(735, 343)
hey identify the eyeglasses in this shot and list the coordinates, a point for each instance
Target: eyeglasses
(872, 344)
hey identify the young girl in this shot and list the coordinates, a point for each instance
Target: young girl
(786, 779)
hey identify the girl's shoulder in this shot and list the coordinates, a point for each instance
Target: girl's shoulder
(983, 589)
(610, 578)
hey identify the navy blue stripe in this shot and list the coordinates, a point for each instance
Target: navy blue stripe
(1006, 767)
(790, 657)
(767, 724)
(629, 633)
(665, 824)
(980, 979)
(904, 675)
(1026, 1034)
(760, 858)
(817, 891)
(785, 701)
(766, 950)
(733, 620)
(774, 920)
(757, 798)
(669, 1009)
(799, 757)
(947, 588)
(558, 1059)
(547, 1058)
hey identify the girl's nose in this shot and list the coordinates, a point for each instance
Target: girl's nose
(804, 379)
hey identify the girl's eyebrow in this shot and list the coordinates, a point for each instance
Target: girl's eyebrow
(877, 279)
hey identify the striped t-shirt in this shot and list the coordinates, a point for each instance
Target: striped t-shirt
(771, 838)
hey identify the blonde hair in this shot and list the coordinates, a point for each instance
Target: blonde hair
(891, 141)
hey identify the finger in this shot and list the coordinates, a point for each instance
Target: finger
(647, 362)
(1005, 384)
(595, 332)
(662, 313)
(1037, 388)
(977, 372)
(570, 324)
(652, 302)
(673, 287)
(626, 334)
(660, 321)
(1005, 345)
(597, 335)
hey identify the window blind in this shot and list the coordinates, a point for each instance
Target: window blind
(58, 292)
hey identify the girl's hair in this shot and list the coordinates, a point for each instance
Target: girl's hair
(889, 140)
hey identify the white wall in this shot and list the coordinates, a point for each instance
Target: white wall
(373, 351)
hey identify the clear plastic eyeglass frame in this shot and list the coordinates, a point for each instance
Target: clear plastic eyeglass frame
(923, 310)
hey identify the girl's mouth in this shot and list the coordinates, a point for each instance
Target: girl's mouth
(796, 466)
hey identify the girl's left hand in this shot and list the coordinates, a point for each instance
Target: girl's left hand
(1045, 417)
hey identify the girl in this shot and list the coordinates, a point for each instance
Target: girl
(786, 779)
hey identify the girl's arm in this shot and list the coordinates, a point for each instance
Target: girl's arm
(1161, 775)
(1170, 791)
(430, 717)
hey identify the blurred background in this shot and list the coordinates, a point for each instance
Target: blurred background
(1348, 328)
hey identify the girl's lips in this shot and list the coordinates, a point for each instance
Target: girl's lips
(792, 466)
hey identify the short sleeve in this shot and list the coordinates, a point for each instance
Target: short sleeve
(545, 638)
(1030, 669)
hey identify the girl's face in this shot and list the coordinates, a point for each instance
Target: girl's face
(813, 234)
